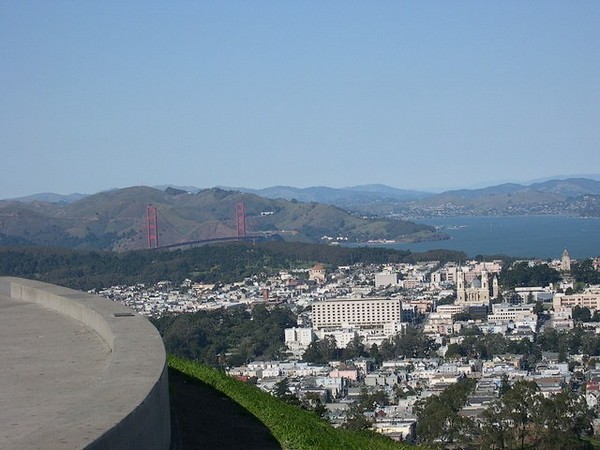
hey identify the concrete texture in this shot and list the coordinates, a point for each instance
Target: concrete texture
(78, 371)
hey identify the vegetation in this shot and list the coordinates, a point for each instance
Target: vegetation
(294, 428)
(521, 418)
(226, 337)
(522, 274)
(114, 220)
(410, 343)
(438, 420)
(223, 263)
(584, 272)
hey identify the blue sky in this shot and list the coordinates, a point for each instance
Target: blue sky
(416, 95)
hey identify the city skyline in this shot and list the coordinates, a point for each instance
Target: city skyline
(423, 96)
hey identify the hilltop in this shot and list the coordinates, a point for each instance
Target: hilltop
(116, 220)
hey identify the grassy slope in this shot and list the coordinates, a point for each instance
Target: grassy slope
(294, 428)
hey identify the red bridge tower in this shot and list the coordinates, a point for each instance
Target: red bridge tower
(152, 226)
(240, 215)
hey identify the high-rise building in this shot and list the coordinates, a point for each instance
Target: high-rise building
(373, 313)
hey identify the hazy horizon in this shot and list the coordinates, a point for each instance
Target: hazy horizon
(424, 96)
(430, 191)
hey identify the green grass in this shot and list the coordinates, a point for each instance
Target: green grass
(294, 428)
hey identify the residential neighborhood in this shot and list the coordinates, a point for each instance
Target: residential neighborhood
(401, 333)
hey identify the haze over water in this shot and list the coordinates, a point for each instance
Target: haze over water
(527, 236)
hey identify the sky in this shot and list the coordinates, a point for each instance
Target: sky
(421, 95)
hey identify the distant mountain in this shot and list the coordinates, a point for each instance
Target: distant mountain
(343, 197)
(116, 219)
(573, 196)
(51, 198)
(571, 187)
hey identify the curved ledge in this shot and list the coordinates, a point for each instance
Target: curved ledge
(127, 406)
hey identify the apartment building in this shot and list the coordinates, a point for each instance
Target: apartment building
(360, 312)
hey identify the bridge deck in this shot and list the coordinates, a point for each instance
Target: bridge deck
(47, 364)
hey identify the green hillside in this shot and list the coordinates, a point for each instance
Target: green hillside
(116, 220)
(292, 427)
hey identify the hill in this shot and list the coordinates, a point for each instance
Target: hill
(116, 220)
(292, 427)
(572, 196)
(342, 197)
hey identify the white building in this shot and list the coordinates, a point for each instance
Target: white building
(298, 339)
(361, 312)
(384, 279)
(504, 312)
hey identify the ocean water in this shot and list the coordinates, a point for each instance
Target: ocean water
(519, 236)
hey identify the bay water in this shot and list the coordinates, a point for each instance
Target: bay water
(544, 237)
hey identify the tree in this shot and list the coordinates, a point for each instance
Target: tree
(322, 351)
(504, 385)
(521, 274)
(282, 392)
(355, 348)
(496, 428)
(582, 314)
(355, 418)
(523, 418)
(521, 402)
(375, 354)
(437, 416)
(562, 421)
(410, 343)
(585, 272)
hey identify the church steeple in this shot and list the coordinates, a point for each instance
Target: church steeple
(565, 261)
(495, 287)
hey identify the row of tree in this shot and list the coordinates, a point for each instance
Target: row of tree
(521, 418)
(522, 274)
(410, 343)
(476, 345)
(218, 263)
(227, 337)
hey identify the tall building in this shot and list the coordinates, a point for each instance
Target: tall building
(373, 313)
(495, 287)
(565, 261)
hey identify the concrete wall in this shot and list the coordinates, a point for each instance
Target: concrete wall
(130, 407)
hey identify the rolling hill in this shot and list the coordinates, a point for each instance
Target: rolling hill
(573, 196)
(116, 220)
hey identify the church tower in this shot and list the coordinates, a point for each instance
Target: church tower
(495, 288)
(565, 261)
(460, 286)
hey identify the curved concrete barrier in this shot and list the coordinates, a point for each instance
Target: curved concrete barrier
(127, 404)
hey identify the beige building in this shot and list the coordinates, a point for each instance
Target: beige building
(317, 273)
(475, 292)
(360, 312)
(590, 298)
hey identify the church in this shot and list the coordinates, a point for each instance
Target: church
(477, 292)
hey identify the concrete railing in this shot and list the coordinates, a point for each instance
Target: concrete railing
(130, 403)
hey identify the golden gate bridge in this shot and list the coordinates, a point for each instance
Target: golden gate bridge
(152, 231)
